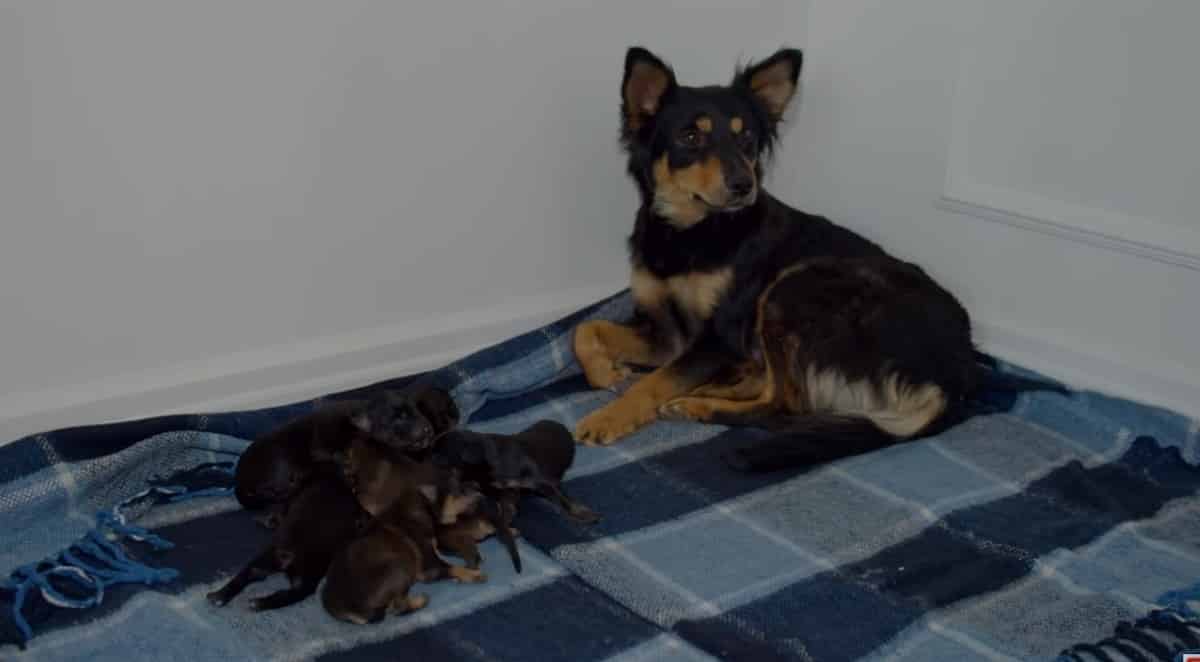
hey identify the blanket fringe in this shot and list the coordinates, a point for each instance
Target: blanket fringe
(1160, 635)
(77, 577)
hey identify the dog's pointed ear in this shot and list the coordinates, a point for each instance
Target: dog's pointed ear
(647, 80)
(361, 421)
(773, 81)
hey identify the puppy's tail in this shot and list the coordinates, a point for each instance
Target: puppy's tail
(809, 441)
(503, 531)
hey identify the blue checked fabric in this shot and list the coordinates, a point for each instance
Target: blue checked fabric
(1046, 527)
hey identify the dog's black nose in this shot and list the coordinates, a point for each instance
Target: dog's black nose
(741, 186)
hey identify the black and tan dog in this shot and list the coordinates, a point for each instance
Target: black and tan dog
(754, 313)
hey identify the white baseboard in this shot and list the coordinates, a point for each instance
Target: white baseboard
(283, 374)
(1091, 368)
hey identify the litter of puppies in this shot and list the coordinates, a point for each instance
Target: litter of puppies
(368, 495)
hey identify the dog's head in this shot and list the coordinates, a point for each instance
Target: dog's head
(393, 419)
(698, 151)
(269, 472)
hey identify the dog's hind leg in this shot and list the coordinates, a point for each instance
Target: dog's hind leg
(741, 403)
(747, 383)
(263, 566)
(639, 406)
(301, 588)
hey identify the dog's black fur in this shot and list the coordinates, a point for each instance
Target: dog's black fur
(535, 459)
(755, 313)
(277, 464)
(322, 519)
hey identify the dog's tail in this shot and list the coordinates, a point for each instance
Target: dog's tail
(503, 531)
(811, 440)
(989, 377)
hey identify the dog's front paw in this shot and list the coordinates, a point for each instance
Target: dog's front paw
(687, 409)
(603, 373)
(610, 423)
(465, 575)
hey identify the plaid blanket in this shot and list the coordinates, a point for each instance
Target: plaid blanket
(1045, 527)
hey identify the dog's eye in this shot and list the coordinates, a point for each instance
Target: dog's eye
(746, 140)
(691, 138)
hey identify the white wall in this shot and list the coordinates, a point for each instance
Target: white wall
(226, 204)
(1041, 157)
(210, 204)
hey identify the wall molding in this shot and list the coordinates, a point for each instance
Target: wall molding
(960, 201)
(278, 375)
(288, 373)
(1108, 229)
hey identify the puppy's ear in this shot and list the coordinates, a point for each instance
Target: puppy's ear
(773, 81)
(429, 492)
(647, 80)
(361, 421)
(363, 522)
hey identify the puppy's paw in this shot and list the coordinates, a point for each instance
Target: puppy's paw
(611, 422)
(269, 520)
(464, 575)
(257, 604)
(583, 514)
(418, 601)
(218, 598)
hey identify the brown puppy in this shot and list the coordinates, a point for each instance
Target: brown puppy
(535, 459)
(371, 577)
(320, 521)
(380, 479)
(474, 526)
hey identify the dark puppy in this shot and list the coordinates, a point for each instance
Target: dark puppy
(319, 522)
(371, 577)
(278, 463)
(380, 479)
(406, 421)
(438, 407)
(534, 459)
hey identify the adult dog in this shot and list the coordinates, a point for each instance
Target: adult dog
(755, 313)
